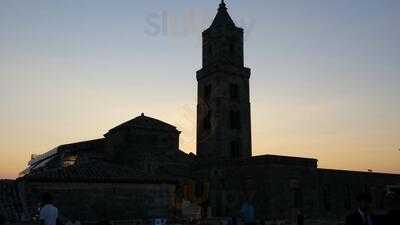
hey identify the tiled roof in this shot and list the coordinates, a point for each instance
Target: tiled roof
(52, 155)
(96, 171)
(145, 122)
(84, 145)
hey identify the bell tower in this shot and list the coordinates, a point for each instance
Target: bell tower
(223, 107)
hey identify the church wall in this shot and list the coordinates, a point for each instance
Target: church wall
(95, 201)
(218, 108)
(280, 191)
(271, 188)
(338, 191)
(133, 146)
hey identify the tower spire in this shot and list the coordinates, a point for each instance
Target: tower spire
(222, 5)
(223, 109)
(222, 18)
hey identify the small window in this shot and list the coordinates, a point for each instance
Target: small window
(234, 91)
(347, 201)
(326, 198)
(235, 120)
(207, 92)
(207, 121)
(199, 189)
(235, 149)
(298, 198)
(70, 160)
(232, 48)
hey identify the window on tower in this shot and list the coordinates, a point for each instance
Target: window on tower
(232, 44)
(207, 92)
(235, 121)
(207, 121)
(232, 48)
(234, 91)
(326, 198)
(235, 149)
(298, 198)
(347, 201)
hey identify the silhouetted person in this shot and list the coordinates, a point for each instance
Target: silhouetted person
(48, 212)
(362, 216)
(233, 221)
(300, 218)
(247, 212)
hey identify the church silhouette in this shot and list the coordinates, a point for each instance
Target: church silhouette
(138, 171)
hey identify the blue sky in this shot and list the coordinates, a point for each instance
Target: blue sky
(325, 74)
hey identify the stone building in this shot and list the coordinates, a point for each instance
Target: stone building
(133, 172)
(138, 167)
(278, 186)
(10, 200)
(223, 110)
(99, 190)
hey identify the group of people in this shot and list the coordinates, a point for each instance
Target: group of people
(49, 214)
(363, 215)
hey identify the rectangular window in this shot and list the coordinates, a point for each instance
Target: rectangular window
(235, 120)
(207, 92)
(235, 149)
(347, 202)
(234, 91)
(207, 121)
(298, 198)
(70, 160)
(326, 198)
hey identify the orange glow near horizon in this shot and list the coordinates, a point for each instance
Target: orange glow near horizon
(337, 151)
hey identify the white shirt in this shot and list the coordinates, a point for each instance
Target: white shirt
(366, 218)
(49, 214)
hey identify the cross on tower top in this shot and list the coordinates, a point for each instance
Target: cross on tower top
(222, 5)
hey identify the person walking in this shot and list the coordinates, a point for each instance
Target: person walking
(48, 212)
(362, 216)
(300, 218)
(247, 212)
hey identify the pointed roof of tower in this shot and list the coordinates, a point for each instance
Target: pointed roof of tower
(222, 18)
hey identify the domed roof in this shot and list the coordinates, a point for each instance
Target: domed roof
(144, 122)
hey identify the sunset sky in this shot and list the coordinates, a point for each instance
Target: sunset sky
(325, 74)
